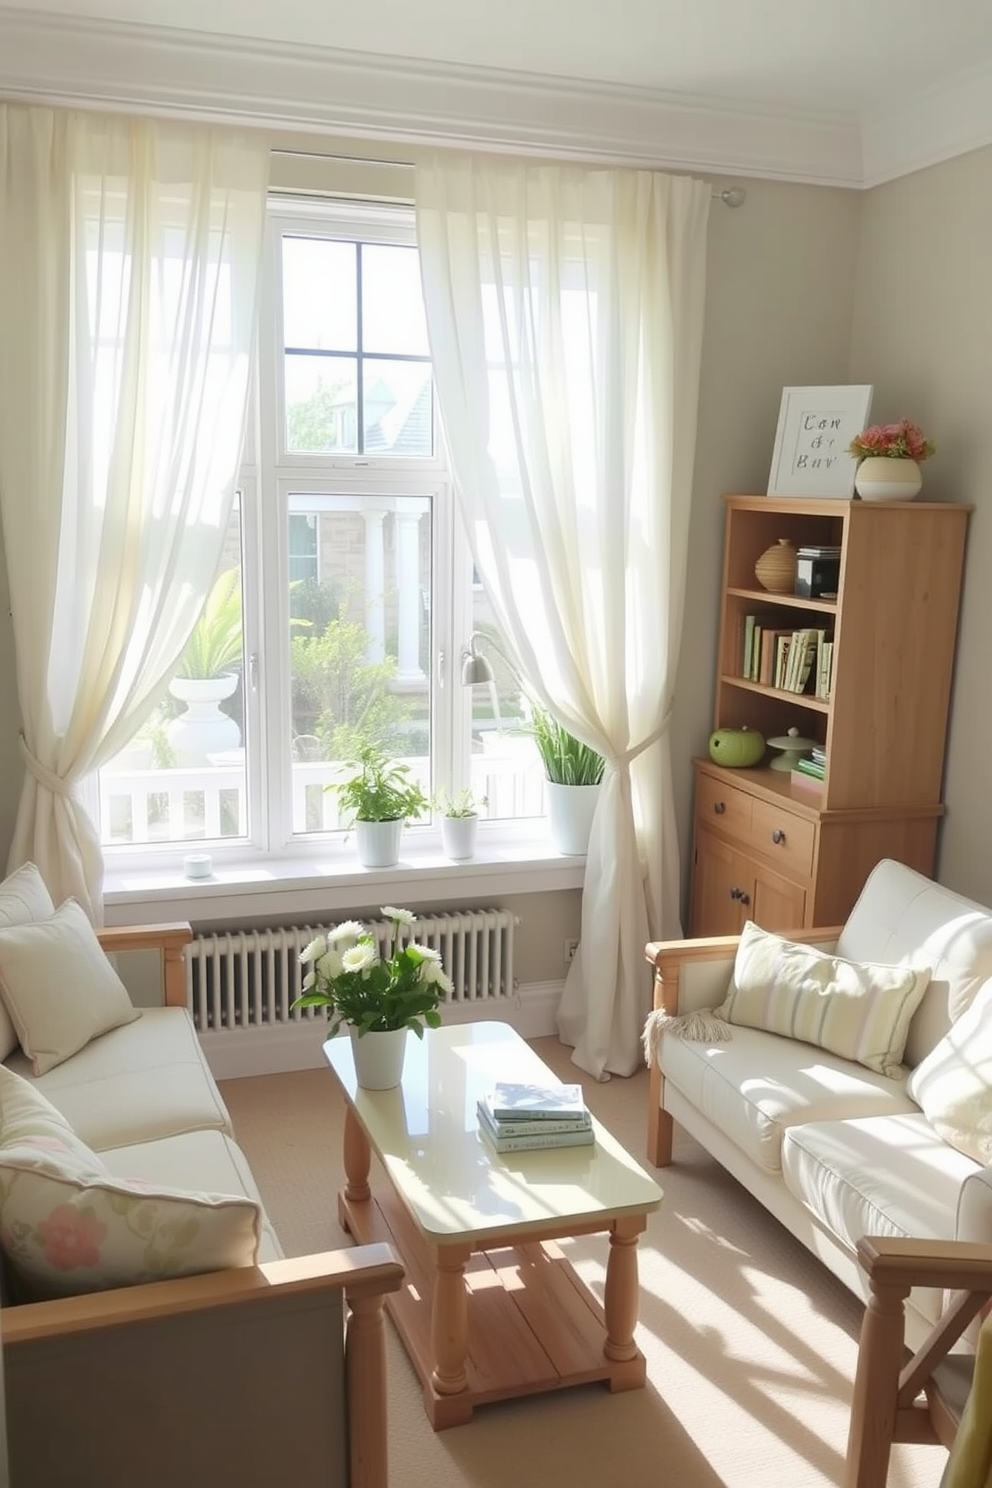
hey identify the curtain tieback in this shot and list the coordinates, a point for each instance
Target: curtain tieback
(43, 775)
(629, 755)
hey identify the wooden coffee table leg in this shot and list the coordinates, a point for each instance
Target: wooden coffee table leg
(357, 1159)
(449, 1321)
(621, 1296)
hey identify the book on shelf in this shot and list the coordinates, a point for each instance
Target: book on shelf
(512, 1100)
(806, 782)
(536, 1140)
(811, 767)
(521, 1126)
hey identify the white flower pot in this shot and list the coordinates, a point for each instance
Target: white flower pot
(203, 729)
(570, 812)
(458, 835)
(880, 478)
(379, 1058)
(379, 842)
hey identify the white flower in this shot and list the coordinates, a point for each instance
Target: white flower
(330, 965)
(427, 953)
(347, 930)
(359, 957)
(309, 981)
(314, 950)
(434, 974)
(398, 916)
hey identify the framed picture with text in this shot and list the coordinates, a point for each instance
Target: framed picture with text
(815, 426)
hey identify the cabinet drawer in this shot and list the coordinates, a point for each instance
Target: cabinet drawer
(782, 837)
(719, 805)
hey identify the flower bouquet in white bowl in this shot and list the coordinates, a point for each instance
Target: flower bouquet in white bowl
(890, 456)
(377, 997)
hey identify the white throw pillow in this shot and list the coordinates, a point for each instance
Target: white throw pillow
(67, 1225)
(953, 1084)
(858, 1010)
(59, 987)
(23, 898)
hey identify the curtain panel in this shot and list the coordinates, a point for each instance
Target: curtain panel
(565, 315)
(129, 262)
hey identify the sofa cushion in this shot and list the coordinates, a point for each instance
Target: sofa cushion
(953, 1084)
(205, 1159)
(899, 913)
(59, 987)
(70, 1225)
(23, 899)
(146, 1080)
(860, 1011)
(757, 1086)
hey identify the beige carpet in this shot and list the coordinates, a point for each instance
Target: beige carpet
(750, 1342)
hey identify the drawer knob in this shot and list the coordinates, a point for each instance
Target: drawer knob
(778, 835)
(736, 893)
(719, 808)
(744, 898)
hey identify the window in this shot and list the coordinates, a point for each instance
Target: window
(347, 592)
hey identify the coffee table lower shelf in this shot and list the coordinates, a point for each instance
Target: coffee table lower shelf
(533, 1325)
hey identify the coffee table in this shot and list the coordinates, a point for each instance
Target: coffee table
(490, 1307)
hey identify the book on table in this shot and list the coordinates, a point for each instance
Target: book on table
(515, 1101)
(523, 1126)
(580, 1136)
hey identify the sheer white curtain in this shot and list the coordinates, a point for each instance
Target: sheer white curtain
(565, 313)
(129, 258)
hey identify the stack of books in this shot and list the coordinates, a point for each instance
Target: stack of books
(515, 1117)
(812, 771)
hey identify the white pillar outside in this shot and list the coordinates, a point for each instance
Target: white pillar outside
(375, 584)
(408, 596)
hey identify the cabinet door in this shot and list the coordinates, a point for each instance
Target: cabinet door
(776, 903)
(720, 876)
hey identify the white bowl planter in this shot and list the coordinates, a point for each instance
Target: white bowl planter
(203, 729)
(885, 478)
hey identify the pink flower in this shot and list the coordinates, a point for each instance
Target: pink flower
(901, 441)
(70, 1238)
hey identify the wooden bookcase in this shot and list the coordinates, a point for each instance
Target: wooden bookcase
(786, 855)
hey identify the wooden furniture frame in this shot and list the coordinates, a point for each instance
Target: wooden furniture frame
(918, 1398)
(492, 1308)
(250, 1376)
(781, 854)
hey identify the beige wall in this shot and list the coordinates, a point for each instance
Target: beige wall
(922, 333)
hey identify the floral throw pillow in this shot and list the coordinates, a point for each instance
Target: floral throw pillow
(67, 1225)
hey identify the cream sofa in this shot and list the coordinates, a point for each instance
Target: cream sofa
(237, 1376)
(833, 1149)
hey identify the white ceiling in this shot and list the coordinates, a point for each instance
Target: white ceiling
(836, 68)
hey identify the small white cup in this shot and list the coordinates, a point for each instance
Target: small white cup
(198, 865)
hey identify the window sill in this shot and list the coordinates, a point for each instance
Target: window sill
(329, 882)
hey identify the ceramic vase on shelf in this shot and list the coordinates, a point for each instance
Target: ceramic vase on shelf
(883, 478)
(379, 1058)
(775, 570)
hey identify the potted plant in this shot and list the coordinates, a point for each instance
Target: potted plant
(377, 997)
(890, 456)
(207, 676)
(459, 822)
(381, 794)
(573, 775)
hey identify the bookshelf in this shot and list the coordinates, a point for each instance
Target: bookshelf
(784, 853)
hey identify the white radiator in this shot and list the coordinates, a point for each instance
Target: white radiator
(249, 979)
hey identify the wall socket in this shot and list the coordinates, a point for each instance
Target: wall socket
(568, 950)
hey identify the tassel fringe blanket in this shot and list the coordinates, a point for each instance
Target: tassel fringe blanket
(702, 1027)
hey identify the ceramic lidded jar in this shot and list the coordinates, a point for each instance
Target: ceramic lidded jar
(775, 570)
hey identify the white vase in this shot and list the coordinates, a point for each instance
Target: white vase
(379, 842)
(570, 811)
(458, 836)
(379, 1058)
(202, 729)
(881, 478)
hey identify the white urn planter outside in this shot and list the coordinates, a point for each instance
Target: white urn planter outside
(570, 811)
(379, 1058)
(458, 834)
(379, 842)
(202, 729)
(883, 478)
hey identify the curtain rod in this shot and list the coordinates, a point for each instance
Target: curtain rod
(731, 196)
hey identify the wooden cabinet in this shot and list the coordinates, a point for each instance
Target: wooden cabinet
(784, 854)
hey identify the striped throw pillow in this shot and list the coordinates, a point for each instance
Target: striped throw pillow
(858, 1010)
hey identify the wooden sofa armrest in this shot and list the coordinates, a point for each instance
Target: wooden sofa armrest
(244, 1365)
(170, 940)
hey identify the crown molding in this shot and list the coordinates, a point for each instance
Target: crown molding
(116, 65)
(948, 119)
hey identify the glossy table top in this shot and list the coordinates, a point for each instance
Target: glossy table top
(455, 1186)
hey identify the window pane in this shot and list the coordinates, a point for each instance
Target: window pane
(505, 765)
(398, 407)
(393, 319)
(182, 778)
(359, 644)
(319, 294)
(321, 404)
